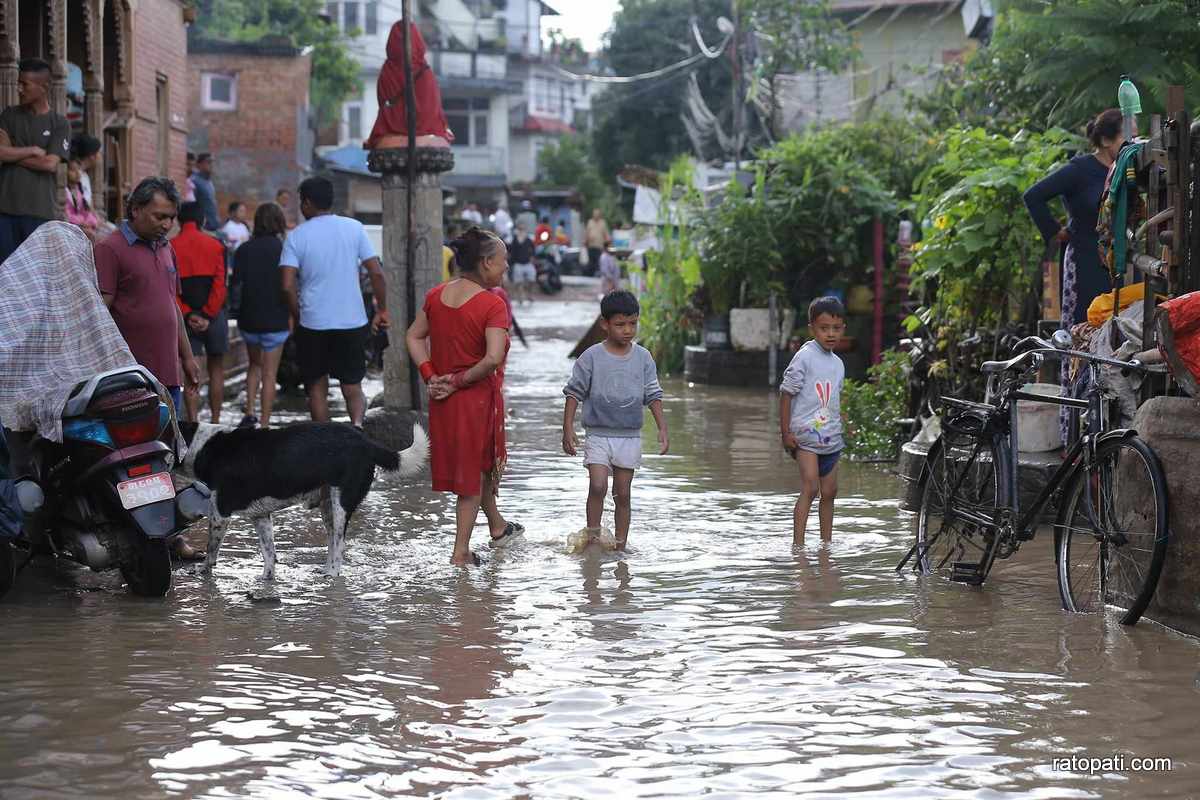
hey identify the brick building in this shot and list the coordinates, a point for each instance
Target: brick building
(249, 107)
(119, 73)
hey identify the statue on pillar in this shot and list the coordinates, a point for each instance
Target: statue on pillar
(391, 126)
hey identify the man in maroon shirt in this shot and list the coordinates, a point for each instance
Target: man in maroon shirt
(139, 282)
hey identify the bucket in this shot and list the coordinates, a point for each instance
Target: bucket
(1037, 423)
(716, 332)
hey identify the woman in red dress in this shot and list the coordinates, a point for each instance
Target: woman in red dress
(467, 330)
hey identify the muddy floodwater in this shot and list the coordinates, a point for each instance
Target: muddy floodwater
(710, 659)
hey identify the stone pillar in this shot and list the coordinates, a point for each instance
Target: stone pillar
(1171, 426)
(385, 423)
(93, 107)
(10, 53)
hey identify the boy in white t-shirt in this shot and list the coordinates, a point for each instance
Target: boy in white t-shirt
(810, 415)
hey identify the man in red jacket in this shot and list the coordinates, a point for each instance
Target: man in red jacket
(201, 260)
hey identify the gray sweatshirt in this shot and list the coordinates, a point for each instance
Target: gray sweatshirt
(614, 390)
(814, 378)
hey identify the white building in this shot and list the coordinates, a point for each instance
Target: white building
(467, 52)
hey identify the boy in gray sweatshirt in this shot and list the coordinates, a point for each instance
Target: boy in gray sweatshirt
(614, 380)
(810, 414)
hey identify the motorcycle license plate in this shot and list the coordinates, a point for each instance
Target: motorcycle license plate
(144, 491)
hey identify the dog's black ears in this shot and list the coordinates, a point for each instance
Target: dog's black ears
(188, 429)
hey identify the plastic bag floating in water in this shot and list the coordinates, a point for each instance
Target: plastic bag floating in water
(578, 541)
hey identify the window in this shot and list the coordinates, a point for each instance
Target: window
(468, 118)
(372, 26)
(218, 91)
(349, 16)
(354, 121)
(331, 11)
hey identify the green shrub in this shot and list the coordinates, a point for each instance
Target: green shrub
(871, 408)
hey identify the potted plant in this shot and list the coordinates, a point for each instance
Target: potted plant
(740, 268)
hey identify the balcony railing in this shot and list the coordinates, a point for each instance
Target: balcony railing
(480, 161)
(464, 64)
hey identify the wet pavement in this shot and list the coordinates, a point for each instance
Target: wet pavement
(710, 659)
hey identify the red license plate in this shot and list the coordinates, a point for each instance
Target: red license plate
(144, 491)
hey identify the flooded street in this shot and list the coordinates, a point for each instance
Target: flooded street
(709, 659)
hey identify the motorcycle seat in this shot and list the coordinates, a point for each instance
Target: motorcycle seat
(115, 383)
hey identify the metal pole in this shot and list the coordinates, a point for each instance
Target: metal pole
(772, 349)
(877, 339)
(410, 282)
(735, 59)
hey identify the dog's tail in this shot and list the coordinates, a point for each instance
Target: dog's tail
(409, 461)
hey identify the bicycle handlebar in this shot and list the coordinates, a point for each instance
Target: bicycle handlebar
(1045, 348)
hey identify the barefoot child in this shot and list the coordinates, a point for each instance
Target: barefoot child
(810, 414)
(614, 380)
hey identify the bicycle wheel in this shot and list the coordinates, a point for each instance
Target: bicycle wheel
(965, 486)
(1112, 531)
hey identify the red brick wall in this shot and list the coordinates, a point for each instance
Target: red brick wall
(159, 48)
(254, 146)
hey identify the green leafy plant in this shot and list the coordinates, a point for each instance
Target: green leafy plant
(568, 162)
(670, 320)
(980, 251)
(870, 408)
(803, 224)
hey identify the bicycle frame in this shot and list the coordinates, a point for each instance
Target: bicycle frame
(1079, 454)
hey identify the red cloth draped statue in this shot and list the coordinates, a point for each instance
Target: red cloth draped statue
(391, 126)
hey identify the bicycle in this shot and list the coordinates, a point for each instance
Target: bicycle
(1111, 528)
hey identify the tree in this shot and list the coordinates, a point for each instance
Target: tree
(1060, 63)
(568, 162)
(641, 123)
(793, 37)
(335, 75)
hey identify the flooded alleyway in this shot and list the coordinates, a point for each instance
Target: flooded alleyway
(709, 659)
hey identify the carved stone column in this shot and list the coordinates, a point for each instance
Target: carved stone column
(10, 53)
(426, 272)
(56, 30)
(93, 106)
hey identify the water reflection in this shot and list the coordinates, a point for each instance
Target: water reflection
(710, 659)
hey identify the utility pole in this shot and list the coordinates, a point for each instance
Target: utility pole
(410, 109)
(736, 59)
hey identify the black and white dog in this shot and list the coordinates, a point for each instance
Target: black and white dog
(259, 472)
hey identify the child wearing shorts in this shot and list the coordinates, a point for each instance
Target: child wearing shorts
(614, 380)
(810, 415)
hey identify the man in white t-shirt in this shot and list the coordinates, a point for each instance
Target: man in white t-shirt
(320, 263)
(235, 229)
(502, 224)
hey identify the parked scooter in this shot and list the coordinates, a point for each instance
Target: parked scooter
(109, 496)
(549, 275)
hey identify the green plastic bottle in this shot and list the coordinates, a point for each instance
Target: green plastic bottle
(1128, 98)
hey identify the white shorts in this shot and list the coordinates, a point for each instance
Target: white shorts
(524, 273)
(612, 451)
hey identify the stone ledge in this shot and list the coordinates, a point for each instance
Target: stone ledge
(730, 367)
(429, 159)
(1033, 473)
(1171, 426)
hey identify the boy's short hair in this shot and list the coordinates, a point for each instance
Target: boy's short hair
(619, 302)
(826, 305)
(191, 212)
(318, 191)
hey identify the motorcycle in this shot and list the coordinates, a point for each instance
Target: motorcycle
(109, 495)
(546, 261)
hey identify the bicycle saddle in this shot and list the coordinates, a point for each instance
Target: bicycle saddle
(989, 367)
